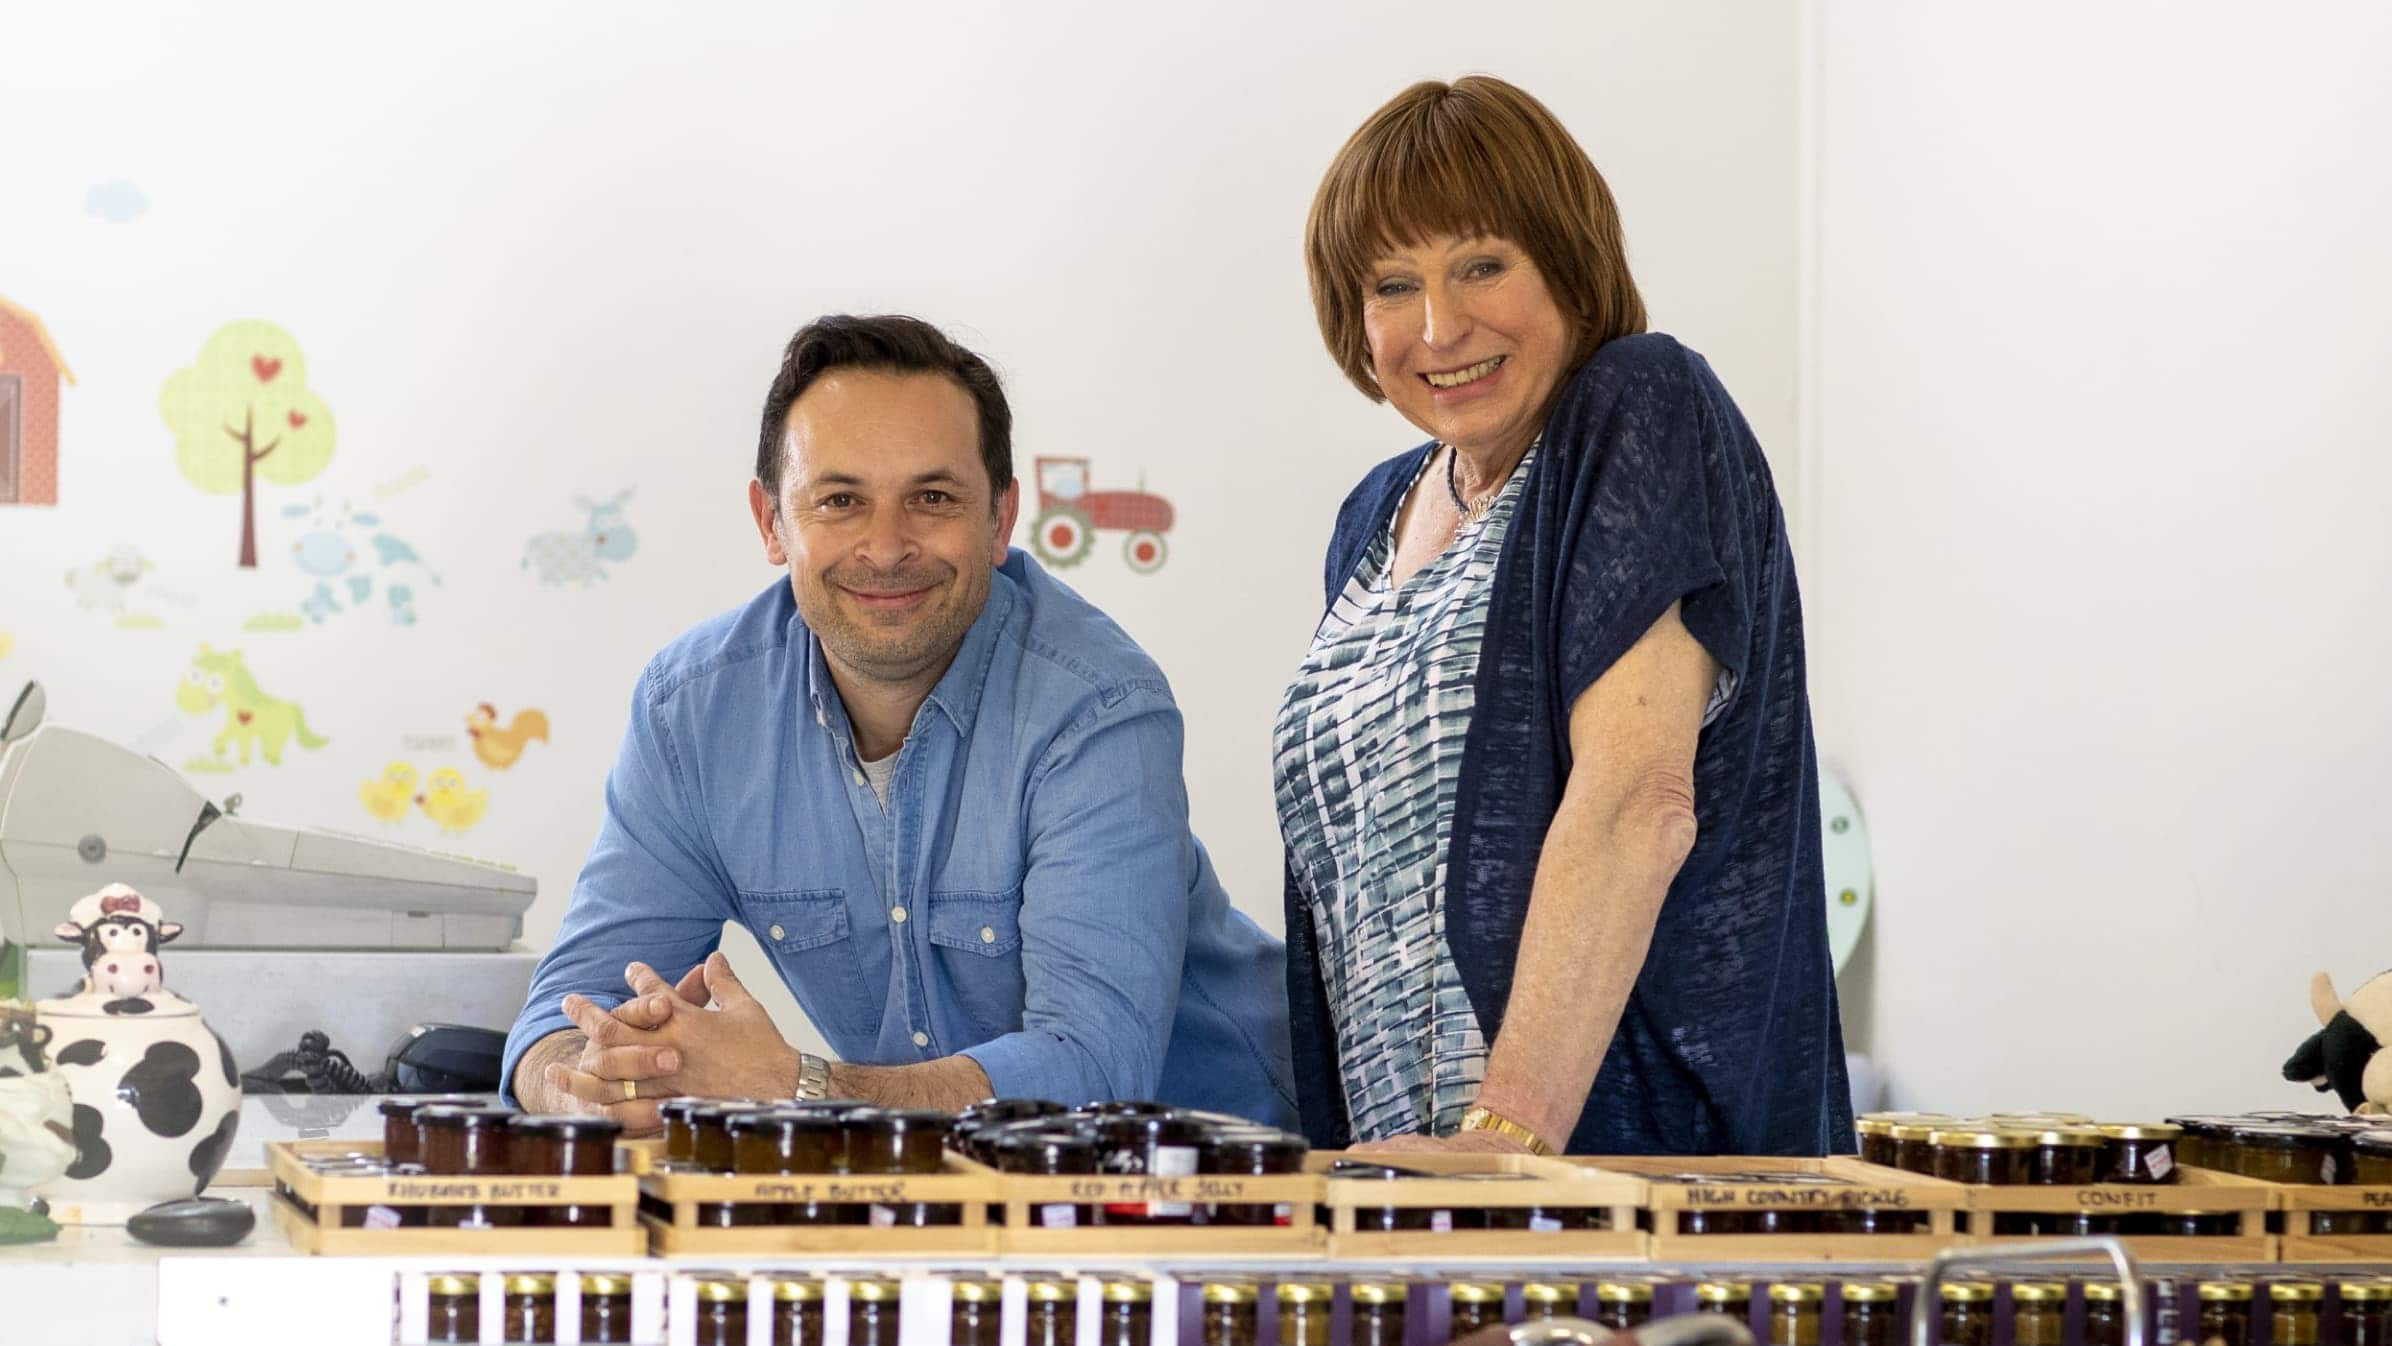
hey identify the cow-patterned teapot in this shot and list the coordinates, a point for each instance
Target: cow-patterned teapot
(156, 1095)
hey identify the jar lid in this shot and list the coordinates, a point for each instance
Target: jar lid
(455, 1284)
(873, 1290)
(2037, 1121)
(2277, 1136)
(1129, 1292)
(2104, 1292)
(1257, 1143)
(1623, 1292)
(715, 1291)
(2295, 1292)
(1376, 1292)
(530, 1283)
(2038, 1292)
(404, 1107)
(1797, 1292)
(1304, 1292)
(2372, 1142)
(463, 1117)
(1720, 1292)
(605, 1284)
(567, 1127)
(1054, 1292)
(797, 1290)
(1913, 1130)
(1550, 1292)
(896, 1121)
(1045, 1150)
(2366, 1292)
(1475, 1292)
(723, 1109)
(2140, 1131)
(1968, 1292)
(976, 1291)
(1983, 1140)
(1228, 1292)
(2225, 1292)
(782, 1121)
(1871, 1292)
(1907, 1118)
(2081, 1137)
(678, 1107)
(989, 1110)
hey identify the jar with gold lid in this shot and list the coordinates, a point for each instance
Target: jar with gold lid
(1733, 1298)
(722, 1310)
(2224, 1317)
(680, 1135)
(1914, 1147)
(2287, 1153)
(2293, 1312)
(2371, 1158)
(467, 1142)
(2105, 1314)
(2366, 1317)
(402, 1143)
(454, 1308)
(1967, 1311)
(2067, 1156)
(1542, 1301)
(1229, 1313)
(1623, 1305)
(1303, 1313)
(530, 1309)
(2139, 1152)
(1378, 1313)
(2036, 1121)
(1984, 1158)
(1127, 1312)
(565, 1147)
(605, 1308)
(2038, 1313)
(1794, 1312)
(1872, 1313)
(1053, 1313)
(975, 1312)
(872, 1311)
(1475, 1304)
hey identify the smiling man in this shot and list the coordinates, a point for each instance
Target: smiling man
(942, 791)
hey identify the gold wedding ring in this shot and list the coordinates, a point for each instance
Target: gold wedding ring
(631, 1091)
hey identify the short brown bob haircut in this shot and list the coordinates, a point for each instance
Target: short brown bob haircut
(1476, 157)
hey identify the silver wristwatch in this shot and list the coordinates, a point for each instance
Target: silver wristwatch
(813, 1077)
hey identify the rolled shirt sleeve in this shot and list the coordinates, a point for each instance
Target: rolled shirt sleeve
(1104, 916)
(652, 890)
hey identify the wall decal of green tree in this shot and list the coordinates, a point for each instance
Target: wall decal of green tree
(243, 411)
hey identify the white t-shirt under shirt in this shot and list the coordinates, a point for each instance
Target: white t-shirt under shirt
(880, 773)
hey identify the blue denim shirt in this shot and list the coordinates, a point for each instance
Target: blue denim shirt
(1032, 897)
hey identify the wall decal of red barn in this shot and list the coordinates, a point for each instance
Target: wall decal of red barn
(30, 368)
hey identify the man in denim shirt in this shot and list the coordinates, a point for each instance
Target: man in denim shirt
(940, 788)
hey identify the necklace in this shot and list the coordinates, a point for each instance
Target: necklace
(1473, 513)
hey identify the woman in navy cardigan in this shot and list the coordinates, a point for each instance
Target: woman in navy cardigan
(1546, 774)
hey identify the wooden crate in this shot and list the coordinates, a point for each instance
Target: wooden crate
(2300, 1201)
(2196, 1189)
(669, 1202)
(309, 1208)
(1026, 1228)
(1552, 1184)
(1862, 1187)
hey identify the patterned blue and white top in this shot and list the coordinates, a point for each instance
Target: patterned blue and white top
(1367, 753)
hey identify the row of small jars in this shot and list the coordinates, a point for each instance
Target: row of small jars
(2290, 1147)
(447, 1137)
(815, 1138)
(1873, 1314)
(2015, 1149)
(1035, 1138)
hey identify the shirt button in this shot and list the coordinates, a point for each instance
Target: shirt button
(988, 935)
(859, 778)
(819, 717)
(897, 914)
(778, 933)
(921, 1039)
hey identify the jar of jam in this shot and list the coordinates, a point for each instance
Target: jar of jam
(2202, 1142)
(1251, 1152)
(531, 1309)
(565, 1147)
(1542, 1301)
(900, 1140)
(2225, 1314)
(710, 1132)
(1623, 1306)
(785, 1142)
(1161, 1145)
(1794, 1308)
(2291, 1154)
(2105, 1314)
(1984, 1158)
(1733, 1298)
(1047, 1151)
(1876, 1135)
(1476, 1304)
(1967, 1313)
(1872, 1313)
(2068, 1156)
(455, 1308)
(401, 1143)
(605, 1309)
(1913, 1147)
(1378, 1313)
(722, 1315)
(973, 1124)
(872, 1309)
(975, 1313)
(680, 1134)
(2140, 1152)
(2371, 1157)
(1053, 1317)
(462, 1142)
(2038, 1313)
(1128, 1309)
(2293, 1312)
(2366, 1314)
(1229, 1314)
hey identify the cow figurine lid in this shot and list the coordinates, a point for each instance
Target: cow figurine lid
(120, 931)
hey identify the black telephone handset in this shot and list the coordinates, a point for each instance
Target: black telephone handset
(446, 1059)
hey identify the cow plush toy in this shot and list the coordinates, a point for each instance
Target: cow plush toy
(120, 931)
(2347, 1054)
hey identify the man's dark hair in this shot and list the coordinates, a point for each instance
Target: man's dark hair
(890, 343)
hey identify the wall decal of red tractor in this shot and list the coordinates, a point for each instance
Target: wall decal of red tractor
(1070, 516)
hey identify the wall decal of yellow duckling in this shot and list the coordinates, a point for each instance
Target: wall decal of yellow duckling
(388, 795)
(446, 801)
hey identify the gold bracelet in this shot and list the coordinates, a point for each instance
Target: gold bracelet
(1487, 1119)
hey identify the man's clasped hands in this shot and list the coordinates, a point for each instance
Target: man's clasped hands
(706, 1038)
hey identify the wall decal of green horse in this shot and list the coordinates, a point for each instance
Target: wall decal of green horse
(251, 717)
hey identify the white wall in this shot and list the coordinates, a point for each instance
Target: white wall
(535, 251)
(2095, 557)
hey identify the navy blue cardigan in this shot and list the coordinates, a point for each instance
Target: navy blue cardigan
(1649, 489)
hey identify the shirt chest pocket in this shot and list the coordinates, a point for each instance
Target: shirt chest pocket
(808, 936)
(987, 924)
(976, 943)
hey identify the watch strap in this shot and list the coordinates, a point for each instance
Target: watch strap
(1487, 1119)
